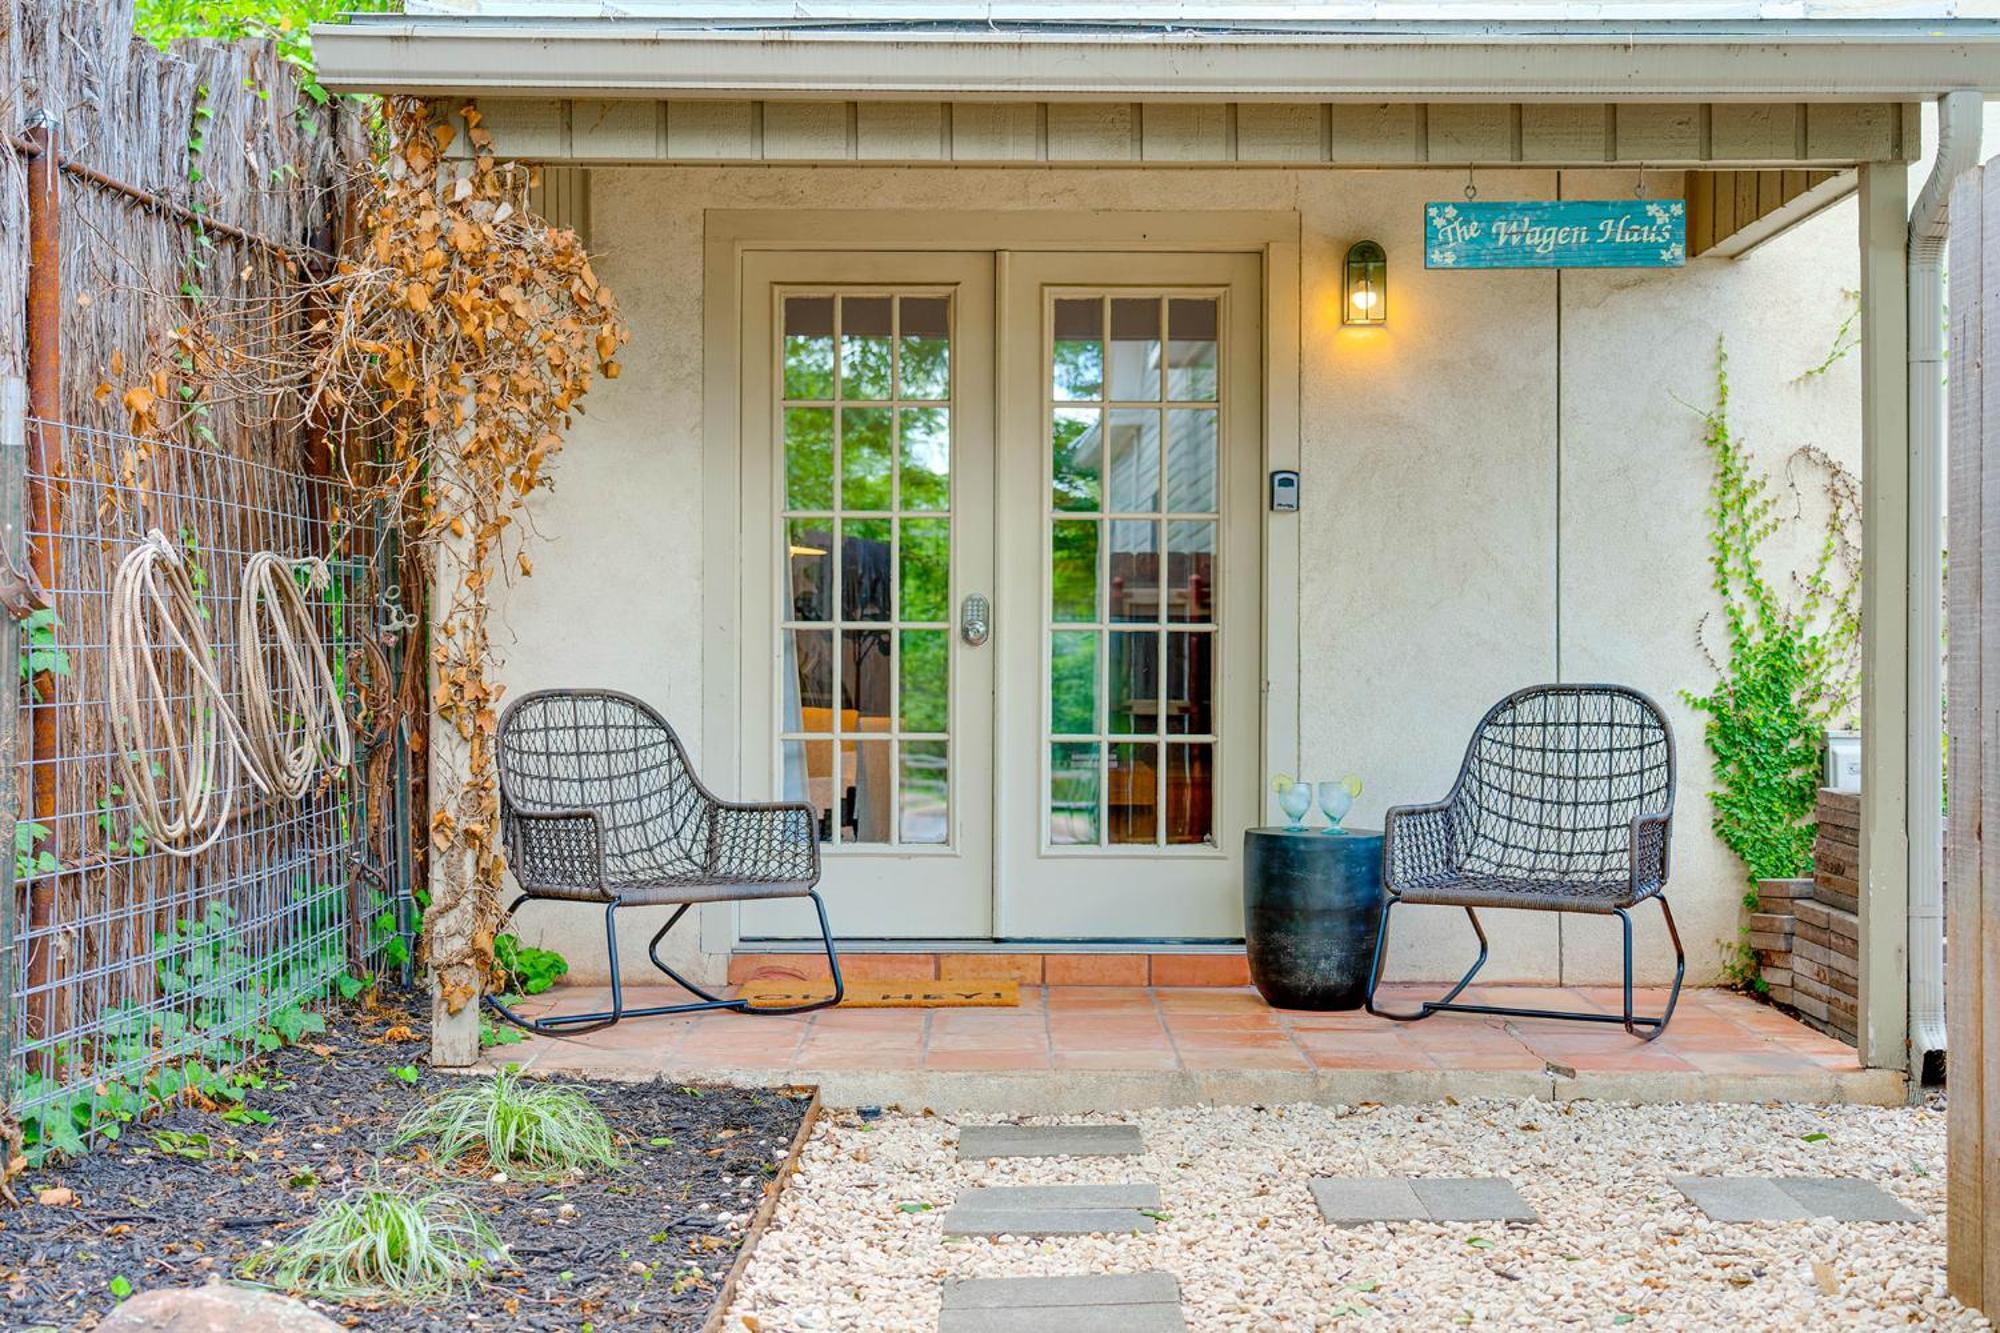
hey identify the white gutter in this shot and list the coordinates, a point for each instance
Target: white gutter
(1958, 130)
(1770, 62)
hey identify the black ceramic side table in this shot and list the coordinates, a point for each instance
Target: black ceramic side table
(1312, 902)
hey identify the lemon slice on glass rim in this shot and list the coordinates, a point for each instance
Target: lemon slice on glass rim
(1281, 783)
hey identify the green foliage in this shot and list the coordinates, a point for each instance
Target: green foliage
(39, 650)
(286, 24)
(526, 970)
(532, 1129)
(225, 1008)
(1790, 666)
(383, 1245)
(493, 1033)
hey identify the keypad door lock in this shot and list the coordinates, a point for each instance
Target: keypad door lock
(975, 619)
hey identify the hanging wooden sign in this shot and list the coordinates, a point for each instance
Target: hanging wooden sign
(1556, 233)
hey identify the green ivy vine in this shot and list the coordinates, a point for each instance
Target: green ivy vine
(1789, 667)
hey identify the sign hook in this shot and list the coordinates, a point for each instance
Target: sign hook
(1471, 190)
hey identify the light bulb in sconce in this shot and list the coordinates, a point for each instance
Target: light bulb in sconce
(1367, 282)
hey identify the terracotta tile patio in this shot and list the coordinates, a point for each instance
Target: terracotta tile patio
(1075, 1048)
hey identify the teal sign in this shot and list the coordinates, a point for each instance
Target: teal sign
(1556, 233)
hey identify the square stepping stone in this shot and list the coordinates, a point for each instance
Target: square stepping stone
(977, 1142)
(1791, 1199)
(1100, 1303)
(1360, 1200)
(1051, 1210)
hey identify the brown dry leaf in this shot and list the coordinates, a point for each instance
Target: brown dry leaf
(56, 1196)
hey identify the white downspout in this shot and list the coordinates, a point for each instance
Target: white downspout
(1958, 130)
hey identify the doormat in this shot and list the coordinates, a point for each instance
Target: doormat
(886, 994)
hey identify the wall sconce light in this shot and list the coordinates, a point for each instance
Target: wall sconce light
(1367, 285)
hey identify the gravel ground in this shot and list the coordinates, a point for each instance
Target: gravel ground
(1618, 1245)
(187, 1196)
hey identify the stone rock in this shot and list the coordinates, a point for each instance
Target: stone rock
(215, 1308)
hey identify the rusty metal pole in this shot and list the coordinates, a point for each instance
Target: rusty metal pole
(45, 412)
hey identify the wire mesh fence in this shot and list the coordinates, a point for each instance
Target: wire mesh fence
(138, 974)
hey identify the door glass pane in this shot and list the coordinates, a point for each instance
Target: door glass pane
(871, 792)
(1073, 682)
(808, 458)
(924, 347)
(1077, 447)
(1190, 793)
(1135, 350)
(1135, 570)
(809, 347)
(1191, 572)
(1073, 791)
(809, 675)
(864, 458)
(1191, 460)
(924, 792)
(1073, 570)
(926, 672)
(1132, 461)
(1132, 794)
(865, 587)
(1191, 359)
(926, 454)
(926, 569)
(1191, 684)
(1078, 359)
(809, 556)
(864, 347)
(1135, 682)
(866, 583)
(797, 780)
(1132, 535)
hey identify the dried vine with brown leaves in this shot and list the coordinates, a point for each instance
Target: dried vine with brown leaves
(459, 336)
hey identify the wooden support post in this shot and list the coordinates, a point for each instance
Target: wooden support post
(1973, 676)
(1885, 596)
(454, 1036)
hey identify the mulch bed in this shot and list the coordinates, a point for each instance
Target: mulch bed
(167, 1207)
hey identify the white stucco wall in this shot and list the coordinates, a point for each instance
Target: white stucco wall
(1503, 486)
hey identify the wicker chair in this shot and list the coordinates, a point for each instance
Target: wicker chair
(1564, 803)
(598, 805)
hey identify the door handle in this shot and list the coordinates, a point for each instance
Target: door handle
(975, 619)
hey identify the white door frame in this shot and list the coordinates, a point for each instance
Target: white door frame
(727, 601)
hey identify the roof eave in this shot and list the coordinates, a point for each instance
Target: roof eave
(454, 56)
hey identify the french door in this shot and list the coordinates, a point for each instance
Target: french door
(1001, 622)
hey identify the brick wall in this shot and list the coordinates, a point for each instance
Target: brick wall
(1805, 934)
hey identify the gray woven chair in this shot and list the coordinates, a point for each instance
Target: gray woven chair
(1564, 803)
(599, 805)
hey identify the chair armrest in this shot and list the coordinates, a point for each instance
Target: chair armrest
(763, 844)
(1418, 842)
(1652, 841)
(558, 849)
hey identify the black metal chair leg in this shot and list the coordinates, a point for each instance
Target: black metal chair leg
(1642, 1027)
(742, 1007)
(571, 1025)
(1428, 1007)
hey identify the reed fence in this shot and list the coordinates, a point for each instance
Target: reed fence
(160, 213)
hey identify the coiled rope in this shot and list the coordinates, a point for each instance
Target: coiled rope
(174, 729)
(179, 740)
(292, 721)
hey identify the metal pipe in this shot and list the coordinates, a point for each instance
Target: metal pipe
(1958, 133)
(312, 259)
(44, 501)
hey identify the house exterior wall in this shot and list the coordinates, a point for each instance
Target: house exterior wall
(1503, 486)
